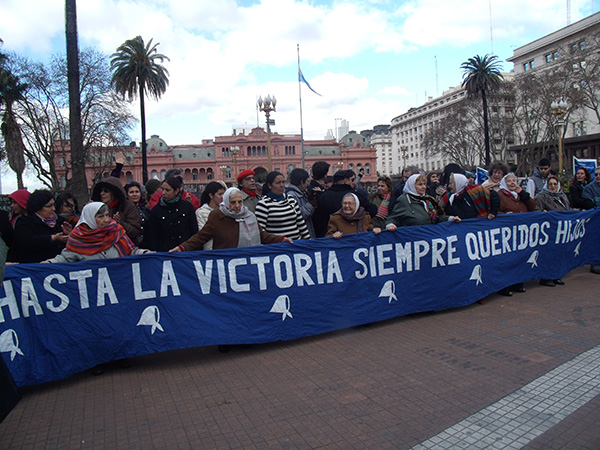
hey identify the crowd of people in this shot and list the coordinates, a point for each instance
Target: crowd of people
(163, 217)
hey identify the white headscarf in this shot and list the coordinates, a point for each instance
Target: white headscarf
(88, 214)
(249, 232)
(461, 182)
(356, 201)
(409, 186)
(504, 186)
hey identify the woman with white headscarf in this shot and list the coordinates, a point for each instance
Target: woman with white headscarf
(415, 207)
(469, 202)
(514, 199)
(231, 225)
(97, 236)
(552, 197)
(351, 218)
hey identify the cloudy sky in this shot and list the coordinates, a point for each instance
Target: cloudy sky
(371, 60)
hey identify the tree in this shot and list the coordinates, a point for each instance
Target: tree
(78, 186)
(11, 92)
(480, 76)
(106, 117)
(136, 71)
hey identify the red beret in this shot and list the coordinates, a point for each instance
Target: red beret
(244, 174)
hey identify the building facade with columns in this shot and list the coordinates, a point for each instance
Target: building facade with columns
(223, 157)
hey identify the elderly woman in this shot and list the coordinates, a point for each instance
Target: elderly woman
(513, 199)
(41, 234)
(552, 197)
(110, 191)
(172, 220)
(352, 218)
(96, 236)
(415, 207)
(469, 202)
(279, 213)
(231, 225)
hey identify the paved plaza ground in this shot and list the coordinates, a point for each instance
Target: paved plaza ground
(518, 372)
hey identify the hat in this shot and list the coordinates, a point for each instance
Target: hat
(342, 175)
(20, 197)
(244, 174)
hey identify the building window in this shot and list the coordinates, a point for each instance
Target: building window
(555, 56)
(154, 175)
(368, 169)
(549, 57)
(209, 174)
(582, 45)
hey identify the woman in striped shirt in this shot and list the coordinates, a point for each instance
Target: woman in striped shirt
(278, 213)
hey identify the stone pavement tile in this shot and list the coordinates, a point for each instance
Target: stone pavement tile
(393, 384)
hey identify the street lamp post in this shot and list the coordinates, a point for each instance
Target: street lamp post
(404, 150)
(235, 151)
(223, 171)
(559, 109)
(267, 106)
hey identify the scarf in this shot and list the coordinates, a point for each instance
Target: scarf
(87, 239)
(383, 209)
(249, 232)
(504, 188)
(277, 198)
(357, 217)
(558, 197)
(250, 193)
(166, 203)
(50, 221)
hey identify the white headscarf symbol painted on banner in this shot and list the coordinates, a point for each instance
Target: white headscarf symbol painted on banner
(9, 342)
(151, 317)
(533, 259)
(576, 251)
(476, 275)
(282, 306)
(389, 290)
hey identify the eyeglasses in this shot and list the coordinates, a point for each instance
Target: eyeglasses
(69, 205)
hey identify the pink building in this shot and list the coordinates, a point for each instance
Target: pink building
(223, 158)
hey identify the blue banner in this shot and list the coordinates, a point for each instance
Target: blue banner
(589, 164)
(59, 319)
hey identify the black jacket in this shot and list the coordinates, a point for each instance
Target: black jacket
(33, 239)
(169, 225)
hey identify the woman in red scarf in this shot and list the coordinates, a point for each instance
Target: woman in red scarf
(97, 236)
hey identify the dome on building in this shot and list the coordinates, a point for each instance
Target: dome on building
(157, 144)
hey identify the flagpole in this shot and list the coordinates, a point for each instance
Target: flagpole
(300, 100)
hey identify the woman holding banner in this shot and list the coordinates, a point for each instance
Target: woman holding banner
(415, 207)
(513, 199)
(96, 236)
(552, 197)
(469, 202)
(231, 225)
(352, 218)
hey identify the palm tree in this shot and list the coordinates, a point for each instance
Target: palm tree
(12, 91)
(136, 71)
(480, 76)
